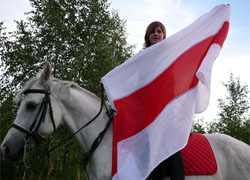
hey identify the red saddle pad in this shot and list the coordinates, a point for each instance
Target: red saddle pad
(198, 156)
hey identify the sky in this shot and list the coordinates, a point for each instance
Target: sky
(175, 15)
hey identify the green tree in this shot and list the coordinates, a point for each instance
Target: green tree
(234, 111)
(82, 39)
(198, 126)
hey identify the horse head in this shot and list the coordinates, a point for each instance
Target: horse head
(35, 118)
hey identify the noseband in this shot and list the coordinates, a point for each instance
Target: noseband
(40, 116)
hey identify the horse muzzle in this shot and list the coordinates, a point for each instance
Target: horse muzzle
(10, 152)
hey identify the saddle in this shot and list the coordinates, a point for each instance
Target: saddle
(198, 157)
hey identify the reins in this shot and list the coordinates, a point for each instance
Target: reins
(43, 108)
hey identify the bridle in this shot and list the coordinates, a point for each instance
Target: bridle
(40, 116)
(33, 130)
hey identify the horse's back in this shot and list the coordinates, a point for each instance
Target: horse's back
(232, 156)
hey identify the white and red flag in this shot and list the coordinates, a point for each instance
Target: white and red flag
(157, 92)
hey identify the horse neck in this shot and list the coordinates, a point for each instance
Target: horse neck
(82, 108)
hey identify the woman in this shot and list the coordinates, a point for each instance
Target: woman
(173, 166)
(155, 33)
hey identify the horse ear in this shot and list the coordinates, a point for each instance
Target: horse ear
(46, 73)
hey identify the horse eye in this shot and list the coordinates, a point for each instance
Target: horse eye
(31, 105)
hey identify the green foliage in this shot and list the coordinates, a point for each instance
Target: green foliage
(233, 117)
(198, 126)
(83, 41)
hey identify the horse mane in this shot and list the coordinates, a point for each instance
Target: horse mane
(59, 87)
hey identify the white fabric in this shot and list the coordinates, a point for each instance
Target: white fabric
(138, 155)
(174, 122)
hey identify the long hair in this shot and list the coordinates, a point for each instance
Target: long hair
(151, 27)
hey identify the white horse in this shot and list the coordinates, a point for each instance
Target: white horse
(76, 106)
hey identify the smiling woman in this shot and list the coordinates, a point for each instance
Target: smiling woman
(155, 33)
(156, 36)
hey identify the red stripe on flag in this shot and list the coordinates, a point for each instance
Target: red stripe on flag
(138, 110)
(222, 34)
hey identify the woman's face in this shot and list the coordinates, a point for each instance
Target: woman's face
(156, 36)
